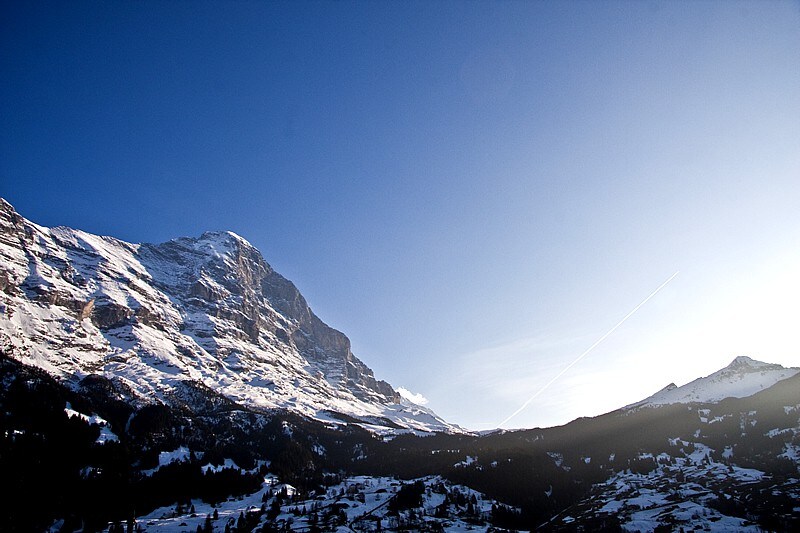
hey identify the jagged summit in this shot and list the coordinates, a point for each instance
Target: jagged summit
(743, 361)
(225, 235)
(743, 377)
(220, 242)
(668, 388)
(154, 317)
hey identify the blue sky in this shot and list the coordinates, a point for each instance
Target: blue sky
(474, 192)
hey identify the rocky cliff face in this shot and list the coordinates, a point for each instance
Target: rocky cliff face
(151, 316)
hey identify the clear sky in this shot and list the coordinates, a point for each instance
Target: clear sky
(474, 192)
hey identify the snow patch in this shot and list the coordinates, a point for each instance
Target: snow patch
(106, 435)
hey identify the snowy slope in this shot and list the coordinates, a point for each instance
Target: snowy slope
(208, 310)
(364, 503)
(743, 377)
(680, 493)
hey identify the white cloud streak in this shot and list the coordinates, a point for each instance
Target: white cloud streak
(413, 397)
(586, 352)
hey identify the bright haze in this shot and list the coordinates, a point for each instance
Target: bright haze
(474, 192)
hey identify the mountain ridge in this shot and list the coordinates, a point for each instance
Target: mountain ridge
(742, 377)
(208, 309)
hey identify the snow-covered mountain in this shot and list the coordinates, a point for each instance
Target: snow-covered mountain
(743, 377)
(163, 320)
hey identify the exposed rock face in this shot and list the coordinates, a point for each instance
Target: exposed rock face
(206, 309)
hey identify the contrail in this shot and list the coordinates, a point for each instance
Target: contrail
(589, 349)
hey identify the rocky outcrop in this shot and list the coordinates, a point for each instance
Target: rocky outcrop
(239, 287)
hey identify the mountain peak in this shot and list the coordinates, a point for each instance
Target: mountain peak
(224, 236)
(743, 377)
(669, 387)
(212, 243)
(205, 310)
(743, 361)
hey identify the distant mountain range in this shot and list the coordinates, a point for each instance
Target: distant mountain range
(187, 386)
(743, 377)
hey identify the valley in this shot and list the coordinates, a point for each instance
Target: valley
(187, 386)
